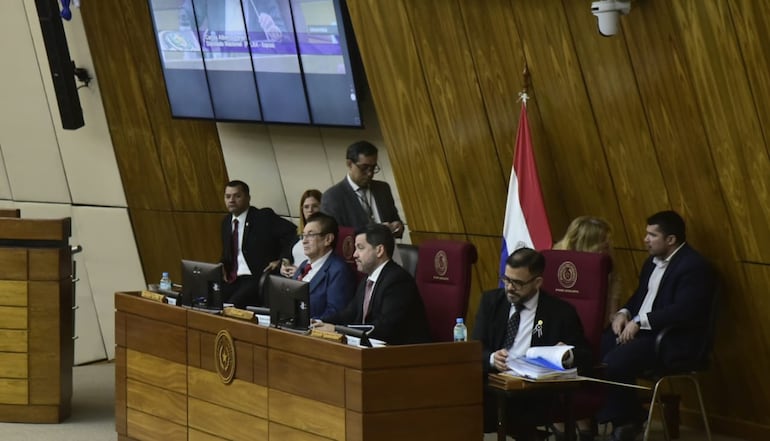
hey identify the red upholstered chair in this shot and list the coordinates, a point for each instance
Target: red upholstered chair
(582, 279)
(346, 247)
(444, 280)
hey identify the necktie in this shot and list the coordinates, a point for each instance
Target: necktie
(363, 196)
(234, 271)
(513, 327)
(305, 270)
(367, 298)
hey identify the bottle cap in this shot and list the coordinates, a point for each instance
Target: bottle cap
(165, 274)
(459, 319)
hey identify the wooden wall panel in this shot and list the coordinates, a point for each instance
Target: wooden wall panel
(205, 227)
(498, 56)
(565, 109)
(729, 115)
(460, 116)
(401, 96)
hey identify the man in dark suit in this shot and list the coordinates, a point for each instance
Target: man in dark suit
(358, 199)
(253, 242)
(516, 317)
(388, 298)
(331, 279)
(675, 288)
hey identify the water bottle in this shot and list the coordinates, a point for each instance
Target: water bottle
(460, 331)
(165, 282)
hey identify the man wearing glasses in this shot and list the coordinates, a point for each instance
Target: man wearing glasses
(512, 319)
(359, 200)
(331, 279)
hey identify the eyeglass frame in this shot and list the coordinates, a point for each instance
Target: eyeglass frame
(518, 284)
(309, 235)
(365, 168)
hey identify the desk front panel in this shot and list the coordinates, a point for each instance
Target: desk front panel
(286, 387)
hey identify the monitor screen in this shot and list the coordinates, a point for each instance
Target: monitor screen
(289, 302)
(282, 61)
(196, 279)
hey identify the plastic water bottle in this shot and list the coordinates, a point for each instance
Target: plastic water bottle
(460, 331)
(165, 282)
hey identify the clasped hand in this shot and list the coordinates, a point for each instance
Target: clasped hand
(624, 329)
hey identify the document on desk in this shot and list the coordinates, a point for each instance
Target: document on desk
(542, 362)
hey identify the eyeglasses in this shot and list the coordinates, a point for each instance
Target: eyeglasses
(311, 235)
(518, 284)
(368, 168)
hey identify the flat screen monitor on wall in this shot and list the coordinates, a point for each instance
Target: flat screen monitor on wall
(277, 61)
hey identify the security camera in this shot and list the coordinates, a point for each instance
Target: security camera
(608, 13)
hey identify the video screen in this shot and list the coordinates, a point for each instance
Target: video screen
(284, 61)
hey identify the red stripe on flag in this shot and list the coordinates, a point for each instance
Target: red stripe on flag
(530, 194)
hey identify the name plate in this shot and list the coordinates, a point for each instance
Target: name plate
(238, 313)
(154, 296)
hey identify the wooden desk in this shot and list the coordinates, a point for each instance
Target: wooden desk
(505, 386)
(286, 386)
(36, 320)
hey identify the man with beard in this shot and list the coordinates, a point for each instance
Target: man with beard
(675, 288)
(516, 317)
(388, 297)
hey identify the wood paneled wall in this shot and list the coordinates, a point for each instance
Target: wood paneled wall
(673, 112)
(670, 113)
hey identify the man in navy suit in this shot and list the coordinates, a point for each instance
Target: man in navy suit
(331, 279)
(388, 297)
(253, 242)
(543, 320)
(675, 288)
(358, 199)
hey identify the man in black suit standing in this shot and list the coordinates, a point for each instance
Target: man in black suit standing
(358, 199)
(388, 298)
(253, 242)
(675, 288)
(516, 317)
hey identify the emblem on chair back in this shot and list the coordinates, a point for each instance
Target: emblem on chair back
(567, 275)
(440, 265)
(348, 247)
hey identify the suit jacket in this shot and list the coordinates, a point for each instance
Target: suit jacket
(331, 288)
(266, 237)
(684, 299)
(396, 309)
(341, 202)
(561, 323)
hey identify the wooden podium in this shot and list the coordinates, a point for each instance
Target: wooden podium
(173, 363)
(36, 320)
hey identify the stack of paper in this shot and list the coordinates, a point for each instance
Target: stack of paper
(542, 362)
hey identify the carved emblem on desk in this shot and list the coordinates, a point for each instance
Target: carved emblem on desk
(224, 356)
(567, 274)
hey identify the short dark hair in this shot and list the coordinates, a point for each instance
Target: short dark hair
(236, 183)
(327, 223)
(527, 258)
(365, 148)
(378, 234)
(670, 223)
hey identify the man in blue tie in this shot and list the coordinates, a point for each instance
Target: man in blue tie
(331, 279)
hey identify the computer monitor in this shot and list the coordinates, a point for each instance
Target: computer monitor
(289, 302)
(196, 278)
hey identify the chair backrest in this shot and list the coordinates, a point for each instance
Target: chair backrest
(444, 280)
(582, 279)
(346, 247)
(409, 256)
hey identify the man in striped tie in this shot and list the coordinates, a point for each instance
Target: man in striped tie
(512, 319)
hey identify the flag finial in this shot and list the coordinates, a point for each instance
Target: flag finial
(524, 95)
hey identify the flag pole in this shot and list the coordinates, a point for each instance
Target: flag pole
(524, 94)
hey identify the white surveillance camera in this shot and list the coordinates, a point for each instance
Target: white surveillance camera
(608, 13)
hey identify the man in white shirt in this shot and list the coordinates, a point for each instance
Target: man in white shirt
(675, 288)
